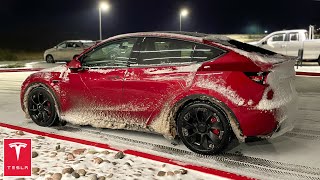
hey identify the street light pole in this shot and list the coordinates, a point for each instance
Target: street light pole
(180, 21)
(103, 6)
(183, 13)
(100, 26)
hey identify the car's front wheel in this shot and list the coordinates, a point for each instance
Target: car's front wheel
(41, 107)
(50, 59)
(204, 128)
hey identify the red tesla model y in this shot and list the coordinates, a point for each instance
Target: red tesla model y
(201, 88)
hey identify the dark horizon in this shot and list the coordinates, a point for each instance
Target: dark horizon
(38, 25)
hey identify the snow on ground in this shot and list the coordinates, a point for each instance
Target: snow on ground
(54, 158)
(307, 69)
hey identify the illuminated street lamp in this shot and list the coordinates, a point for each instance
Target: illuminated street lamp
(103, 6)
(183, 13)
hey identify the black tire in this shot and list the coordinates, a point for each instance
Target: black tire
(204, 128)
(50, 59)
(41, 107)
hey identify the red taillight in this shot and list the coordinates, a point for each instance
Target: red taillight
(258, 77)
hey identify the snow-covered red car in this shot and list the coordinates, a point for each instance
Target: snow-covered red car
(199, 87)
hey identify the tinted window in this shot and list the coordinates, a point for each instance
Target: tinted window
(277, 37)
(62, 45)
(70, 44)
(294, 37)
(165, 51)
(205, 53)
(110, 54)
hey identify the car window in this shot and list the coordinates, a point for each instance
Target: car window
(62, 45)
(76, 45)
(205, 53)
(165, 51)
(277, 38)
(70, 45)
(110, 54)
(294, 36)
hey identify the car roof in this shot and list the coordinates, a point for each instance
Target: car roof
(291, 30)
(82, 41)
(183, 35)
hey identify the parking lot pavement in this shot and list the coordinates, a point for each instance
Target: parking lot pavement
(42, 64)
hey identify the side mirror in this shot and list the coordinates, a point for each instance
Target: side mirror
(55, 47)
(264, 42)
(74, 65)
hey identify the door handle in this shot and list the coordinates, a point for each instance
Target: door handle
(283, 46)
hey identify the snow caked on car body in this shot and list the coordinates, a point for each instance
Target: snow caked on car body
(198, 87)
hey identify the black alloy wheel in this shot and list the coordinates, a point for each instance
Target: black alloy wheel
(50, 59)
(41, 107)
(204, 128)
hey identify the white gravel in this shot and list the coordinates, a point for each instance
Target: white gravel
(54, 156)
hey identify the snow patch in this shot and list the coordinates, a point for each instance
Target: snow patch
(222, 89)
(60, 69)
(107, 116)
(102, 71)
(165, 124)
(281, 82)
(284, 101)
(166, 70)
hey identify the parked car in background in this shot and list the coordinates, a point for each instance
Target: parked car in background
(200, 87)
(66, 50)
(289, 42)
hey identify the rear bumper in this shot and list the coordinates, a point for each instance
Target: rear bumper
(278, 119)
(286, 116)
(254, 123)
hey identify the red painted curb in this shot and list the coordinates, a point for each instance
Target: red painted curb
(307, 74)
(133, 152)
(20, 69)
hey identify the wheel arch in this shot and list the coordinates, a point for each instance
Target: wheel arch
(34, 85)
(49, 55)
(179, 105)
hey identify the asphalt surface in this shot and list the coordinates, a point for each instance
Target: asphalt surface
(294, 155)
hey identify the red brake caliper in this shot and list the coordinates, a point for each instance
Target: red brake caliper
(215, 131)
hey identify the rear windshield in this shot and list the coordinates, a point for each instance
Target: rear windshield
(247, 47)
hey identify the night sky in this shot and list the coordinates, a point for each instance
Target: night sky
(37, 25)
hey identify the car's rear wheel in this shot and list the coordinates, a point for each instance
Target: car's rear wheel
(50, 59)
(41, 107)
(204, 128)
